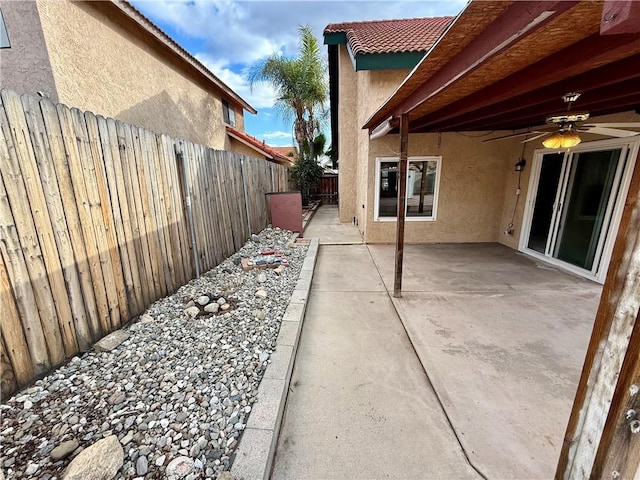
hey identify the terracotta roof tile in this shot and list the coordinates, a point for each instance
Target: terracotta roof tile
(260, 146)
(391, 36)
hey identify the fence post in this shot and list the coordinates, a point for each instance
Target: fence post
(246, 198)
(273, 184)
(187, 194)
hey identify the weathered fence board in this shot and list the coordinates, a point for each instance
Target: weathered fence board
(94, 225)
(12, 333)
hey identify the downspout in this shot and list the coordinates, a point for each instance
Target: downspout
(402, 197)
(187, 193)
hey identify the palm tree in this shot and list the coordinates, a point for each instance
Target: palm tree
(300, 84)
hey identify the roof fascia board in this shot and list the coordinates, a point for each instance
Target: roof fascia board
(147, 25)
(519, 21)
(335, 38)
(388, 61)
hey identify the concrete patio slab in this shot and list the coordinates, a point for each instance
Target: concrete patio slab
(346, 270)
(503, 340)
(470, 267)
(326, 226)
(360, 406)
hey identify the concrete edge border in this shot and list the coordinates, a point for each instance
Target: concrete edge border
(256, 451)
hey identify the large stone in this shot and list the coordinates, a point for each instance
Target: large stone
(192, 311)
(203, 300)
(64, 449)
(111, 341)
(100, 461)
(212, 308)
(179, 468)
(262, 294)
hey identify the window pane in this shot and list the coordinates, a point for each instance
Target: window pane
(232, 117)
(421, 188)
(4, 38)
(388, 195)
(228, 114)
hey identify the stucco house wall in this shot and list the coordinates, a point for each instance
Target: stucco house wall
(360, 93)
(472, 190)
(25, 67)
(347, 141)
(102, 61)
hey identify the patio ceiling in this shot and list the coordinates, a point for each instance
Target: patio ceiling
(505, 65)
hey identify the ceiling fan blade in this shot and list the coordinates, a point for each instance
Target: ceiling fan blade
(512, 135)
(611, 132)
(540, 134)
(614, 125)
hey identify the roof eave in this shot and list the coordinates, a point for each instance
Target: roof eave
(467, 24)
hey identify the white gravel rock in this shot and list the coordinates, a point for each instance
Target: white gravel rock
(174, 385)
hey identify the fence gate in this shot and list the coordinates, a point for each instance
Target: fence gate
(328, 189)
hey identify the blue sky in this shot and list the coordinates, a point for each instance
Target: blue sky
(229, 36)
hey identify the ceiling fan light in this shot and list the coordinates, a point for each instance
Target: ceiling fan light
(570, 139)
(566, 139)
(553, 141)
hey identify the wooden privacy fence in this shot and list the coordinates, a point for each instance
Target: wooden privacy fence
(94, 225)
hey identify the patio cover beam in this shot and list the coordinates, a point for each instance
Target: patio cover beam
(625, 101)
(602, 439)
(520, 92)
(402, 202)
(520, 20)
(620, 96)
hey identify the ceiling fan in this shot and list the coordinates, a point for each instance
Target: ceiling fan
(566, 125)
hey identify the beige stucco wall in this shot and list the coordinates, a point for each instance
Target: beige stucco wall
(473, 182)
(360, 94)
(377, 87)
(103, 62)
(513, 201)
(25, 67)
(347, 146)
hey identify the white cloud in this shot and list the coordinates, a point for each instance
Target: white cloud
(276, 135)
(242, 32)
(260, 96)
(228, 36)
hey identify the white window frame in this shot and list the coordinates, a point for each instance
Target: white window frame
(600, 268)
(436, 193)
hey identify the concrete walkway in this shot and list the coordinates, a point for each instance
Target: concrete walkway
(360, 406)
(325, 225)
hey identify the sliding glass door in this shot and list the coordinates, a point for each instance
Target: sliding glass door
(572, 206)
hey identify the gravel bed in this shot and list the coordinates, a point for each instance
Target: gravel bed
(181, 386)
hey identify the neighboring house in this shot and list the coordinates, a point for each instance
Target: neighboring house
(249, 145)
(108, 58)
(500, 67)
(290, 151)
